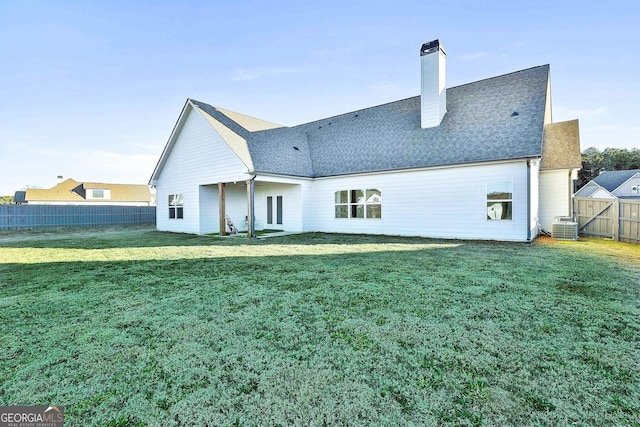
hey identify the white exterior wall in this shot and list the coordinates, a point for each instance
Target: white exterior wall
(293, 210)
(548, 115)
(555, 196)
(209, 212)
(433, 96)
(106, 194)
(236, 204)
(535, 198)
(441, 203)
(625, 188)
(594, 191)
(601, 194)
(199, 156)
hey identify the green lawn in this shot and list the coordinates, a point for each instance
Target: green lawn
(137, 327)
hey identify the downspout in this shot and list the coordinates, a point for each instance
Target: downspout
(570, 187)
(528, 200)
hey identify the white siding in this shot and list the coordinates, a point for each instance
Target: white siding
(625, 188)
(106, 194)
(209, 212)
(587, 190)
(236, 204)
(292, 206)
(199, 156)
(433, 96)
(601, 194)
(555, 196)
(444, 203)
(535, 198)
(548, 116)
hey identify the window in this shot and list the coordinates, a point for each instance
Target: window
(97, 193)
(499, 200)
(358, 203)
(176, 206)
(374, 203)
(278, 210)
(342, 204)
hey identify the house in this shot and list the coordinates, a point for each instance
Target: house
(612, 185)
(71, 192)
(478, 161)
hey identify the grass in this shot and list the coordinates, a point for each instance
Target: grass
(135, 327)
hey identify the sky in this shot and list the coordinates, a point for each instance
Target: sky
(91, 90)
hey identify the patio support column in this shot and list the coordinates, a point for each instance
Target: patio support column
(221, 207)
(250, 208)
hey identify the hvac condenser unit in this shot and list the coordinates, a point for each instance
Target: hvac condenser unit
(565, 228)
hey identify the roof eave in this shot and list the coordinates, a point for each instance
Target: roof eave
(561, 168)
(407, 169)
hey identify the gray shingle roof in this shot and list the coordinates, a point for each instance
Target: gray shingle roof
(480, 126)
(610, 180)
(20, 197)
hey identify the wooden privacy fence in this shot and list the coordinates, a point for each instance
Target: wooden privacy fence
(617, 219)
(22, 217)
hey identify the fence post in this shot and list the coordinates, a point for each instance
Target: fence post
(616, 219)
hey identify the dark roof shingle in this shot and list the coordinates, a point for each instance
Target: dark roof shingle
(477, 127)
(499, 118)
(610, 180)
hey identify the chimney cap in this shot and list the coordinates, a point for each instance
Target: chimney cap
(430, 47)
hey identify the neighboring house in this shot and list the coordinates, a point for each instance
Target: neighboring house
(477, 161)
(71, 192)
(613, 184)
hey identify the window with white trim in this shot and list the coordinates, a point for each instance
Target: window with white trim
(176, 206)
(358, 203)
(98, 193)
(500, 200)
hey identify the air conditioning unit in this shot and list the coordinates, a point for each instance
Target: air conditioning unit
(564, 228)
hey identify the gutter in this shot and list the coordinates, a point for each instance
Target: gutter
(528, 200)
(407, 169)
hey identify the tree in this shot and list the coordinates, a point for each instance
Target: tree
(6, 200)
(595, 161)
